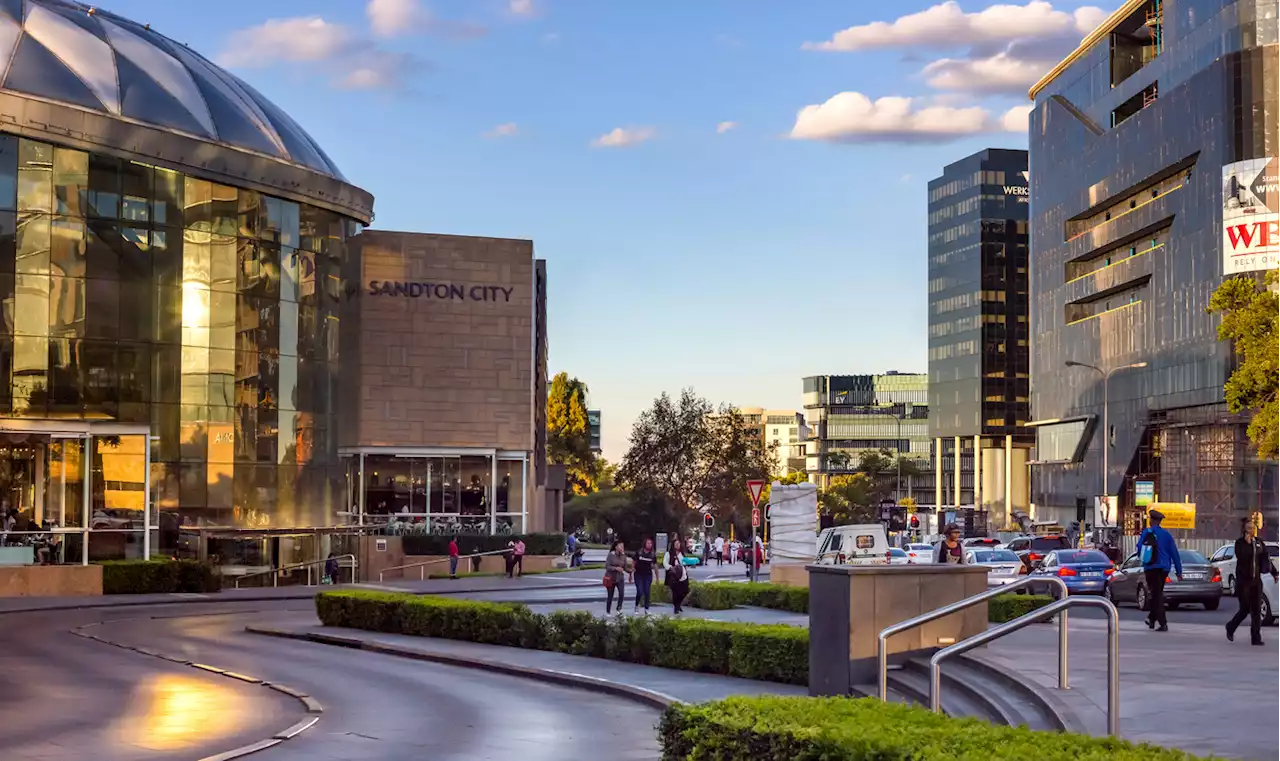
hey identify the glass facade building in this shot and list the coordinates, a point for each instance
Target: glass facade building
(1133, 138)
(979, 353)
(173, 269)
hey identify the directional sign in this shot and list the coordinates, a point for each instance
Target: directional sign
(755, 517)
(755, 488)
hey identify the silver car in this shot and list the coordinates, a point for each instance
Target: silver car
(1201, 583)
(1004, 565)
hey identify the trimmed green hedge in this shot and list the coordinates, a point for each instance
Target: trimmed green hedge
(846, 729)
(752, 651)
(1011, 606)
(432, 544)
(133, 577)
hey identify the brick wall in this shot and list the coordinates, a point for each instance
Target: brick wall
(444, 354)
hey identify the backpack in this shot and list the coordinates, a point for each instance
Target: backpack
(1150, 549)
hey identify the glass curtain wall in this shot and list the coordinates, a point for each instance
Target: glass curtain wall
(136, 294)
(441, 494)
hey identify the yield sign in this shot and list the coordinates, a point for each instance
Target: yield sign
(755, 488)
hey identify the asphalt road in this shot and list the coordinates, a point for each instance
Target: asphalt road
(66, 697)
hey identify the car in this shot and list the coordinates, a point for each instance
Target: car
(1224, 559)
(985, 542)
(1201, 583)
(1268, 601)
(1084, 572)
(921, 553)
(1005, 567)
(1033, 549)
(864, 544)
(899, 557)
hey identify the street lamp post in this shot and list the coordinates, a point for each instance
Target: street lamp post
(1106, 421)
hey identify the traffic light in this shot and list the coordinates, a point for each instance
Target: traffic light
(708, 521)
(915, 523)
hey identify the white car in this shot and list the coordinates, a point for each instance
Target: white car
(1004, 565)
(899, 557)
(1269, 599)
(864, 544)
(1224, 559)
(920, 553)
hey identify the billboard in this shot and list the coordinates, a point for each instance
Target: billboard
(1180, 515)
(1144, 493)
(1250, 215)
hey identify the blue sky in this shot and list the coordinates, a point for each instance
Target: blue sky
(682, 251)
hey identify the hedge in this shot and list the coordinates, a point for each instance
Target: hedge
(438, 544)
(837, 729)
(1008, 607)
(752, 651)
(131, 577)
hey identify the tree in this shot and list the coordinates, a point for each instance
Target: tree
(1249, 316)
(849, 499)
(633, 515)
(569, 435)
(838, 460)
(790, 479)
(695, 455)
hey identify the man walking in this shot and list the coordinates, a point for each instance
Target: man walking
(571, 548)
(1158, 552)
(453, 557)
(719, 549)
(1252, 560)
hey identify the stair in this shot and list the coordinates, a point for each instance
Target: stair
(974, 689)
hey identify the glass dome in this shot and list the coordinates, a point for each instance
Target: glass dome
(74, 54)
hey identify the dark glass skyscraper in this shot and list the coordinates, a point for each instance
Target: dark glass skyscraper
(1153, 165)
(978, 336)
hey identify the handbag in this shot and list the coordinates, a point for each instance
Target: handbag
(608, 581)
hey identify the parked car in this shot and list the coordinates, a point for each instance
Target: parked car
(898, 557)
(985, 542)
(1033, 549)
(1004, 566)
(1201, 583)
(853, 545)
(1268, 601)
(1224, 559)
(1085, 572)
(921, 553)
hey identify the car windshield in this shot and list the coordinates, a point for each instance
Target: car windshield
(1191, 557)
(1082, 556)
(897, 553)
(995, 556)
(982, 542)
(1050, 543)
(919, 547)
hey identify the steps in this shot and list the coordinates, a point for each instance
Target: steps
(974, 689)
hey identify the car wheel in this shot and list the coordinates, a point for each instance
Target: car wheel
(1106, 593)
(1143, 602)
(1268, 616)
(1231, 586)
(1212, 604)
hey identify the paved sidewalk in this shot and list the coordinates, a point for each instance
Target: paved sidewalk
(1188, 688)
(681, 685)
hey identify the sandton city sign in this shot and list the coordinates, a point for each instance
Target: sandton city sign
(440, 291)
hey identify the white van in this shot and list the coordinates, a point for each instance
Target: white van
(853, 545)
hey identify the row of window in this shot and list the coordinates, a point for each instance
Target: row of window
(1137, 199)
(1112, 255)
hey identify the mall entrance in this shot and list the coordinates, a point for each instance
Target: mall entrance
(68, 484)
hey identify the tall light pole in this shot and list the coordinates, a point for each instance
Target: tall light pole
(1106, 420)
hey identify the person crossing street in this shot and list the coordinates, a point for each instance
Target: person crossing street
(1159, 553)
(1252, 561)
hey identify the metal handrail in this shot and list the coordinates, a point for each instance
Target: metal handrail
(1113, 651)
(275, 579)
(421, 565)
(882, 647)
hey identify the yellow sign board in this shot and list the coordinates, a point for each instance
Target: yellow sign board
(1176, 514)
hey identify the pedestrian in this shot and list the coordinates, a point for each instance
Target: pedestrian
(706, 549)
(1158, 552)
(571, 549)
(330, 570)
(719, 549)
(1252, 560)
(615, 576)
(517, 557)
(677, 577)
(950, 551)
(453, 557)
(646, 559)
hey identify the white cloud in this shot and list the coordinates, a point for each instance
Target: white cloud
(1003, 72)
(303, 39)
(522, 7)
(391, 18)
(724, 127)
(851, 117)
(1016, 119)
(624, 137)
(510, 129)
(947, 25)
(373, 69)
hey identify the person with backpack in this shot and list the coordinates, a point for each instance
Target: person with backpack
(1159, 553)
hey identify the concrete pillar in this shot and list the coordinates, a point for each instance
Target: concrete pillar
(959, 449)
(977, 472)
(1008, 478)
(937, 473)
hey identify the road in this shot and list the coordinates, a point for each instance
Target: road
(113, 703)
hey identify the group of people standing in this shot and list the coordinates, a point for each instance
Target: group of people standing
(639, 568)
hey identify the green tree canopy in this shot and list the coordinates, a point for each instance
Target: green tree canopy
(569, 435)
(633, 515)
(1249, 316)
(850, 499)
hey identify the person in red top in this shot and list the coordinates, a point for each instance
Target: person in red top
(453, 558)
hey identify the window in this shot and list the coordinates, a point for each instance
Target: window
(865, 541)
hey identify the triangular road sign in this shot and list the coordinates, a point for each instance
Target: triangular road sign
(755, 488)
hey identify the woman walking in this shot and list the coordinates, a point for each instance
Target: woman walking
(677, 577)
(615, 575)
(1252, 561)
(950, 551)
(646, 559)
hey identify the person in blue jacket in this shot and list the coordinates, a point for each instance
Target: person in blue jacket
(1159, 553)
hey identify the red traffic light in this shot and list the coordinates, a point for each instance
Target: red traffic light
(915, 522)
(708, 521)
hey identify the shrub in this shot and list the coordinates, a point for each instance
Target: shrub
(433, 544)
(1008, 607)
(133, 577)
(833, 729)
(774, 653)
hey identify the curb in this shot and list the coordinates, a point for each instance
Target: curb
(312, 706)
(1050, 700)
(646, 697)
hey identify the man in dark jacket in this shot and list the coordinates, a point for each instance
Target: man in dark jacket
(1252, 560)
(1163, 558)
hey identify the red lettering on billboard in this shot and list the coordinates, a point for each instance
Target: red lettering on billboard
(1254, 235)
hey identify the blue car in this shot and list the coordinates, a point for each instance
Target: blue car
(1085, 572)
